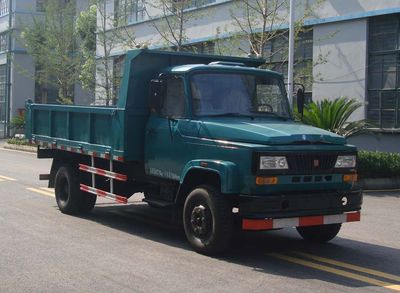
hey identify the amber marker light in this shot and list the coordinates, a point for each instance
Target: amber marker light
(350, 178)
(266, 180)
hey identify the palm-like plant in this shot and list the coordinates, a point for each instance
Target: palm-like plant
(333, 115)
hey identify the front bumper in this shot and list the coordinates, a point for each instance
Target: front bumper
(299, 204)
(270, 224)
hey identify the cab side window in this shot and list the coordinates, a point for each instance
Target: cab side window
(173, 104)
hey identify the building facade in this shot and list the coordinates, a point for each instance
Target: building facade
(350, 47)
(17, 68)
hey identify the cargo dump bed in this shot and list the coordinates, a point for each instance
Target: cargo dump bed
(116, 132)
(95, 131)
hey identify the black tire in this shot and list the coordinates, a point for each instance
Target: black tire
(319, 234)
(88, 202)
(208, 220)
(70, 199)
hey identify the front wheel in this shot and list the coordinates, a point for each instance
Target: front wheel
(319, 234)
(207, 220)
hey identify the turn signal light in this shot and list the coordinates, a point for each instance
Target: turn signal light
(266, 180)
(350, 178)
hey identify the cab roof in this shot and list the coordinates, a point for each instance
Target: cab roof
(183, 69)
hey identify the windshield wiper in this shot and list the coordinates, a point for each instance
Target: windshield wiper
(273, 114)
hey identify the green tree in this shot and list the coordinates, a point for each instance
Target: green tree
(260, 21)
(86, 26)
(52, 42)
(175, 15)
(333, 115)
(259, 28)
(102, 32)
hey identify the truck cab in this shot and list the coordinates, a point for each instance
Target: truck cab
(234, 124)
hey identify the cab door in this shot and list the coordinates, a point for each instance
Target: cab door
(164, 142)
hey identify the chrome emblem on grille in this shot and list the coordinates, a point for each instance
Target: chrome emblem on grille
(316, 163)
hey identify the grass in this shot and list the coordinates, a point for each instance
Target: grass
(19, 141)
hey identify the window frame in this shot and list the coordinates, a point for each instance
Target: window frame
(193, 4)
(130, 10)
(378, 91)
(4, 7)
(262, 75)
(4, 39)
(165, 80)
(277, 46)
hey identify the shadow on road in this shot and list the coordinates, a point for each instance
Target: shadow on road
(252, 249)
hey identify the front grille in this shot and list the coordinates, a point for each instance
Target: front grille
(311, 162)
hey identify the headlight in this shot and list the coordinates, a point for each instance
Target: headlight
(273, 163)
(346, 162)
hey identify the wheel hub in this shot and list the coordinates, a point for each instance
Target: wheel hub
(198, 220)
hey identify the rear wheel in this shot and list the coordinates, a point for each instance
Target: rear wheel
(70, 199)
(319, 234)
(208, 221)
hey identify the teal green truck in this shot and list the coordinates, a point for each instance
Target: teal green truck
(213, 139)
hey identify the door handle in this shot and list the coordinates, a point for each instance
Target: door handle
(151, 131)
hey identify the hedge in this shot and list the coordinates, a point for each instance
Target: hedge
(19, 141)
(378, 165)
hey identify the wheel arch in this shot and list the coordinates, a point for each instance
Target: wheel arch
(222, 175)
(60, 158)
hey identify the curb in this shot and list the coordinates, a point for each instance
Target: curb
(23, 148)
(379, 183)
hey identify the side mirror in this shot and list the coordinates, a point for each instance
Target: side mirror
(157, 87)
(300, 102)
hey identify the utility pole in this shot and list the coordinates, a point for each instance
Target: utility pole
(291, 54)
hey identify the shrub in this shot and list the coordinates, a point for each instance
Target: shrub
(18, 122)
(19, 141)
(333, 115)
(378, 165)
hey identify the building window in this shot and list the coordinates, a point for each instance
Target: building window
(118, 71)
(130, 11)
(189, 4)
(3, 91)
(383, 109)
(40, 5)
(4, 7)
(207, 48)
(46, 88)
(276, 54)
(3, 42)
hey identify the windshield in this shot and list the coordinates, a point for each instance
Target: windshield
(219, 94)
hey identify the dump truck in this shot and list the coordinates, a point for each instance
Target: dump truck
(213, 139)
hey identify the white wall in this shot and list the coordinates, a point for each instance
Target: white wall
(344, 45)
(384, 142)
(333, 8)
(218, 16)
(22, 82)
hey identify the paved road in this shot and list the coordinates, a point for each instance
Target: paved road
(124, 249)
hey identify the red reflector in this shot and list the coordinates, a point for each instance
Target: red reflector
(311, 221)
(101, 192)
(353, 217)
(251, 224)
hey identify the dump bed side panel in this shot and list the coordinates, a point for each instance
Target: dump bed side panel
(88, 129)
